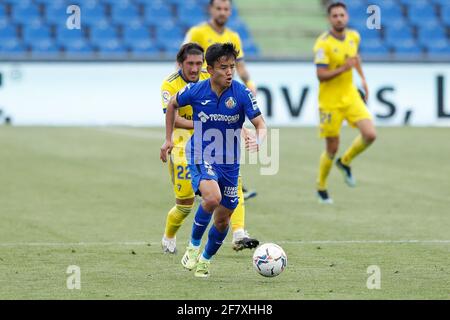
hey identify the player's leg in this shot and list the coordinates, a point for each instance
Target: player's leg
(174, 220)
(203, 179)
(241, 238)
(228, 182)
(184, 195)
(325, 164)
(330, 126)
(358, 116)
(216, 235)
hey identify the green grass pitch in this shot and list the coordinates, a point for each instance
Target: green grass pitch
(97, 198)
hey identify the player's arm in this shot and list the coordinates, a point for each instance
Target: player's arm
(170, 122)
(183, 123)
(261, 133)
(325, 74)
(360, 71)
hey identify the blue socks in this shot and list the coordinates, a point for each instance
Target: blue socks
(201, 221)
(215, 240)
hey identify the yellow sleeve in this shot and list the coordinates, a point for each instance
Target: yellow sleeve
(238, 44)
(167, 91)
(194, 35)
(321, 57)
(357, 40)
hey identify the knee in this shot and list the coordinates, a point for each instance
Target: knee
(211, 202)
(332, 150)
(370, 137)
(222, 223)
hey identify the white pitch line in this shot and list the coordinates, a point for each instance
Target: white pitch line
(143, 243)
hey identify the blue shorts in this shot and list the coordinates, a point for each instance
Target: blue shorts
(226, 176)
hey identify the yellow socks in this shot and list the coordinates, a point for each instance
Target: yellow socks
(325, 165)
(356, 148)
(238, 216)
(175, 219)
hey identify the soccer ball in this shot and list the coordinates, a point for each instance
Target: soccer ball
(269, 259)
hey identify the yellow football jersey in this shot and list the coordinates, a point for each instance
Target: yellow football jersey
(331, 52)
(204, 35)
(170, 86)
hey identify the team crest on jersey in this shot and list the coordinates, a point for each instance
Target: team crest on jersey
(230, 103)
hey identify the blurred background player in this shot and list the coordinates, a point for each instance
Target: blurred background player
(190, 59)
(206, 34)
(215, 176)
(336, 54)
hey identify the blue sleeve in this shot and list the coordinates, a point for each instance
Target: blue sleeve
(184, 96)
(250, 104)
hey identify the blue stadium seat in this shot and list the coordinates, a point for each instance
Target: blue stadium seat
(125, 12)
(36, 32)
(64, 35)
(8, 32)
(373, 47)
(92, 13)
(103, 34)
(407, 49)
(55, 13)
(445, 15)
(156, 15)
(190, 14)
(420, 11)
(393, 34)
(13, 48)
(111, 48)
(169, 32)
(439, 49)
(430, 33)
(369, 34)
(137, 36)
(79, 50)
(24, 13)
(45, 48)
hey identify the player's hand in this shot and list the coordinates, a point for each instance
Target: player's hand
(366, 90)
(351, 63)
(165, 149)
(251, 142)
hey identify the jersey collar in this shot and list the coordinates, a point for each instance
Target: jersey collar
(331, 34)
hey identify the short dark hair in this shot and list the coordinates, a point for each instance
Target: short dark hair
(187, 49)
(218, 50)
(336, 5)
(211, 2)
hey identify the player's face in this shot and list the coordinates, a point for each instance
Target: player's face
(223, 71)
(220, 11)
(338, 19)
(191, 67)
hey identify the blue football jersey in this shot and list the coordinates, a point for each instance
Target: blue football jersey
(217, 121)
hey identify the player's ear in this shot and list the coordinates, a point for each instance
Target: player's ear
(210, 69)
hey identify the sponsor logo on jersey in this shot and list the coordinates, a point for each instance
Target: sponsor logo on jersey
(218, 117)
(230, 192)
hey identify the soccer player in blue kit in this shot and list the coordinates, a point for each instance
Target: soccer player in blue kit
(220, 105)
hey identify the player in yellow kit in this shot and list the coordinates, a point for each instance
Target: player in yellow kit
(336, 54)
(190, 60)
(215, 31)
(206, 34)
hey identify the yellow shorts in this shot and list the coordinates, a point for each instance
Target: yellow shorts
(331, 118)
(180, 175)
